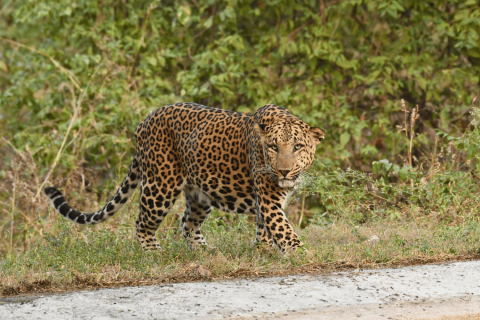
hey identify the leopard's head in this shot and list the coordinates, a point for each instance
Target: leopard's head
(289, 149)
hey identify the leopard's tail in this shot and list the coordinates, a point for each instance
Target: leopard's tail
(116, 203)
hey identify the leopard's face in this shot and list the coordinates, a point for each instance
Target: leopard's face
(289, 150)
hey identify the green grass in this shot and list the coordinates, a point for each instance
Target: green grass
(420, 214)
(77, 96)
(72, 257)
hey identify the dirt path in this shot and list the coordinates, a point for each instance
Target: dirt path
(448, 291)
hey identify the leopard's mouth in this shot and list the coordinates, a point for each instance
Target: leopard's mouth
(288, 184)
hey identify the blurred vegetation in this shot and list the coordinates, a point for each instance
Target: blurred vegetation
(76, 77)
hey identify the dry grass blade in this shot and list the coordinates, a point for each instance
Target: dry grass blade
(15, 183)
(76, 111)
(69, 73)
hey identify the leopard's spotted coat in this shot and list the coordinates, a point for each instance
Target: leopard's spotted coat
(232, 161)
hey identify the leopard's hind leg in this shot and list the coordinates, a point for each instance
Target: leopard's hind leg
(156, 200)
(197, 208)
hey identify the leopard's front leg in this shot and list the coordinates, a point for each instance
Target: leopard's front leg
(272, 218)
(262, 235)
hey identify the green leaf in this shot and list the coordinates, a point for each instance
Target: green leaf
(3, 66)
(403, 173)
(152, 60)
(396, 169)
(183, 14)
(344, 139)
(208, 23)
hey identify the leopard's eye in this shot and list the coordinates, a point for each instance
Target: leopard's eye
(298, 146)
(273, 147)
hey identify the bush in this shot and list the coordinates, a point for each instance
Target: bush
(340, 65)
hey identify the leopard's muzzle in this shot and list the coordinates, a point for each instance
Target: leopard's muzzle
(288, 184)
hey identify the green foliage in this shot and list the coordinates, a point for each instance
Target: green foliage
(342, 66)
(339, 65)
(104, 258)
(440, 187)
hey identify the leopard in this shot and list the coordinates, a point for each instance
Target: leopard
(239, 163)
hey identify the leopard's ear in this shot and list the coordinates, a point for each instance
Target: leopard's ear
(317, 135)
(261, 128)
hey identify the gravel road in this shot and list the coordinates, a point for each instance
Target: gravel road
(448, 291)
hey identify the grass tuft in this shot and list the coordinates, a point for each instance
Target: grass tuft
(422, 211)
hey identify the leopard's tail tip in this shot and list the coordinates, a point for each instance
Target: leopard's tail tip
(49, 191)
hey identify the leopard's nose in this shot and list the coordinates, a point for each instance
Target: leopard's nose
(284, 172)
